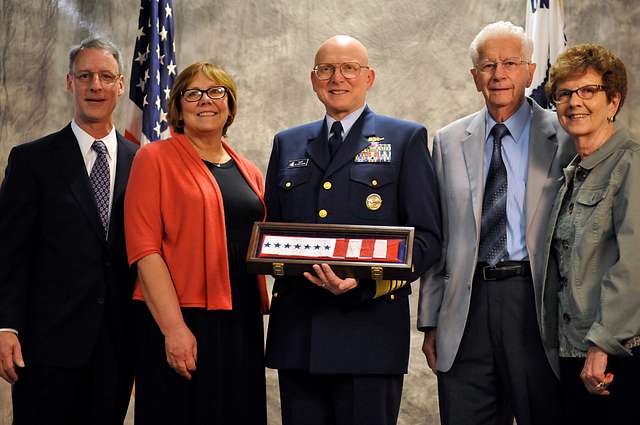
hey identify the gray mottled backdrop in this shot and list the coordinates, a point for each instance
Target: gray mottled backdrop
(419, 49)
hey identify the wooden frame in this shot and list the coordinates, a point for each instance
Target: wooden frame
(399, 239)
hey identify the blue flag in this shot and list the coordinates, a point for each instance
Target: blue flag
(153, 71)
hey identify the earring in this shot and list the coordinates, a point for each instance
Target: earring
(609, 120)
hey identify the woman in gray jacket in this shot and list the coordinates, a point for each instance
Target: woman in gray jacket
(591, 307)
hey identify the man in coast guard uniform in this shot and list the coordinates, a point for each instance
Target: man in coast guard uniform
(341, 346)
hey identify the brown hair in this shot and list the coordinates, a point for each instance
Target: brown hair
(578, 59)
(211, 71)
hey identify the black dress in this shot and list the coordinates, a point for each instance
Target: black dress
(228, 386)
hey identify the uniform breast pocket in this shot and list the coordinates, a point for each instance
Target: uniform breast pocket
(591, 211)
(373, 192)
(294, 191)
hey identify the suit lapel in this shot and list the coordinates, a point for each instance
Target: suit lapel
(317, 148)
(355, 142)
(73, 169)
(543, 146)
(123, 165)
(473, 149)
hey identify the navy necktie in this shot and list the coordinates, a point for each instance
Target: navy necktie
(336, 138)
(100, 182)
(493, 228)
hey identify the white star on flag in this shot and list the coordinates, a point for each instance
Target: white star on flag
(147, 121)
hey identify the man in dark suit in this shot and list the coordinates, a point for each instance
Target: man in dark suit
(480, 307)
(65, 286)
(342, 345)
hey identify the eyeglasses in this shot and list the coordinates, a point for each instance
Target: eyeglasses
(585, 92)
(106, 78)
(194, 95)
(349, 70)
(509, 64)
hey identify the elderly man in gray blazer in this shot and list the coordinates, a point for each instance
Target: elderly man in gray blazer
(498, 171)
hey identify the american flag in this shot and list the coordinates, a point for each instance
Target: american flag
(545, 25)
(153, 71)
(382, 250)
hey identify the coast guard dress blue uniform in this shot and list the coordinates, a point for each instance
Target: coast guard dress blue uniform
(364, 331)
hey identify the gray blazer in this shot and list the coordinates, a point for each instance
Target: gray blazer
(445, 290)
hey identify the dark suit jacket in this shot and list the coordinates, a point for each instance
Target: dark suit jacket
(59, 278)
(309, 328)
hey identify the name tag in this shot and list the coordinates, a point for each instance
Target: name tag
(296, 163)
(375, 152)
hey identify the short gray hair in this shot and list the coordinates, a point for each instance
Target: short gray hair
(101, 43)
(500, 29)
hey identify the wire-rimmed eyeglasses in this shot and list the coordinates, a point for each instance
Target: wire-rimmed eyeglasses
(349, 70)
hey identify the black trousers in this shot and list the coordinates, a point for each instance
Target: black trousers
(318, 399)
(619, 408)
(95, 394)
(501, 369)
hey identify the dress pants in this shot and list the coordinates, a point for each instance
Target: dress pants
(97, 393)
(620, 407)
(501, 369)
(319, 399)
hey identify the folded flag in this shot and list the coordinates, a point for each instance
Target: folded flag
(378, 250)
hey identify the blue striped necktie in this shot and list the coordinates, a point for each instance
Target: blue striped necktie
(493, 228)
(100, 182)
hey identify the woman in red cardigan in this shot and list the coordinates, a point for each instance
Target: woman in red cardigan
(190, 204)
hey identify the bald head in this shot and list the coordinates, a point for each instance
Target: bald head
(342, 46)
(342, 95)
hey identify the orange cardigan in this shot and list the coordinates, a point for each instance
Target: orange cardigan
(173, 207)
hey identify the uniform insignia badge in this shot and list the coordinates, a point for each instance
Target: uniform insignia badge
(375, 152)
(374, 202)
(296, 163)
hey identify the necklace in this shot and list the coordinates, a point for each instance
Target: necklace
(219, 164)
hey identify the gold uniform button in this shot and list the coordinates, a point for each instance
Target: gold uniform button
(374, 182)
(323, 213)
(392, 297)
(287, 185)
(326, 185)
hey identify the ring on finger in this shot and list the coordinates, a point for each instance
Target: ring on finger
(601, 386)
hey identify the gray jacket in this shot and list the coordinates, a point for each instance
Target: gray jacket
(445, 290)
(604, 308)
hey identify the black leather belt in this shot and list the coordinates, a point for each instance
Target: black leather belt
(502, 270)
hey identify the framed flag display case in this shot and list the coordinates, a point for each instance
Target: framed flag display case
(288, 249)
